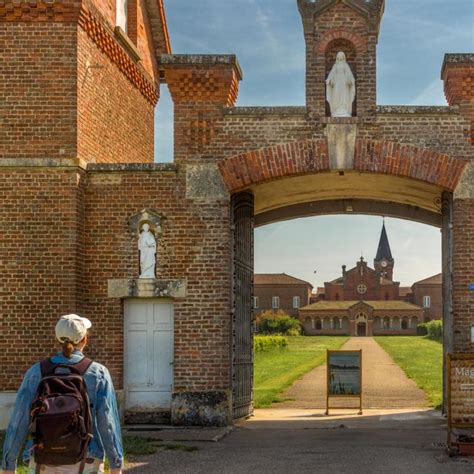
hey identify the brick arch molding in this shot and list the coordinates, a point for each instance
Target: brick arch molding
(358, 41)
(311, 156)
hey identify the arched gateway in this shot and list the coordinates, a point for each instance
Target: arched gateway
(80, 188)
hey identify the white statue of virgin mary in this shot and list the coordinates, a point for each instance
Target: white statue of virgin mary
(147, 247)
(340, 90)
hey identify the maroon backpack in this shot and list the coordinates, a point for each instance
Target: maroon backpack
(60, 418)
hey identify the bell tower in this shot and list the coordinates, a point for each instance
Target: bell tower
(384, 262)
(348, 26)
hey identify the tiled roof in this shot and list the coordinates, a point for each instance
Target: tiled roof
(341, 305)
(433, 280)
(277, 279)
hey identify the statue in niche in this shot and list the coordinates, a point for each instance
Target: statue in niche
(340, 90)
(147, 248)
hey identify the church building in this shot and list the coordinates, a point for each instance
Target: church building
(363, 301)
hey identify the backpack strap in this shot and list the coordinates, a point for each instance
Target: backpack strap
(48, 367)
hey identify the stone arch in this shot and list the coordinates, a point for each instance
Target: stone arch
(312, 156)
(318, 324)
(405, 323)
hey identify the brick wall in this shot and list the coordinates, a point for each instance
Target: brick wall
(115, 120)
(463, 273)
(39, 263)
(195, 245)
(435, 311)
(38, 90)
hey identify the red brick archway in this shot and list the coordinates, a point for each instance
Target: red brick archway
(311, 156)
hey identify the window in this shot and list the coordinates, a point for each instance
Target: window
(362, 289)
(255, 302)
(275, 302)
(404, 323)
(121, 18)
(296, 301)
(426, 301)
(337, 323)
(319, 325)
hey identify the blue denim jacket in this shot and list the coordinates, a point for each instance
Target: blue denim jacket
(106, 423)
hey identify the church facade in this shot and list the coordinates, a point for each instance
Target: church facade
(364, 301)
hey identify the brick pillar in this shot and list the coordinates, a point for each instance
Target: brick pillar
(200, 85)
(463, 266)
(458, 77)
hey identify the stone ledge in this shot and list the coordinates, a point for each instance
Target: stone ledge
(282, 110)
(162, 167)
(416, 109)
(147, 288)
(42, 163)
(201, 60)
(457, 58)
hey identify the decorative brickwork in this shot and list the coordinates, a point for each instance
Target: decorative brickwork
(105, 41)
(372, 156)
(279, 161)
(30, 11)
(202, 79)
(408, 161)
(458, 77)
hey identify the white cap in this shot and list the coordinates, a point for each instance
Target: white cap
(72, 327)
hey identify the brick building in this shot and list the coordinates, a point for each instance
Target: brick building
(279, 291)
(79, 80)
(428, 293)
(363, 301)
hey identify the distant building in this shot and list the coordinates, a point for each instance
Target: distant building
(428, 294)
(365, 301)
(279, 291)
(360, 318)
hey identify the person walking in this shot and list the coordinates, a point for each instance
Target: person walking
(106, 440)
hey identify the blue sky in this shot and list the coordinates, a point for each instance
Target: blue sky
(266, 36)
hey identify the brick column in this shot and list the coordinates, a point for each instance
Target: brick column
(463, 262)
(458, 77)
(200, 85)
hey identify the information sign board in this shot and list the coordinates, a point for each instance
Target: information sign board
(344, 376)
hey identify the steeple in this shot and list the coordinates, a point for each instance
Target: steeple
(384, 262)
(384, 252)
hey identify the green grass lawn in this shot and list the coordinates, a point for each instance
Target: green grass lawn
(276, 369)
(421, 359)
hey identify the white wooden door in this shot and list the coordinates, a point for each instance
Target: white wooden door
(148, 329)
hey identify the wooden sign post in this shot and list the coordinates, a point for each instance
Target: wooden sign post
(460, 404)
(344, 377)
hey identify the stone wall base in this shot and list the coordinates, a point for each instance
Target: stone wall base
(211, 408)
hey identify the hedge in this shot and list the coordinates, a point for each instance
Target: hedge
(265, 343)
(278, 323)
(432, 329)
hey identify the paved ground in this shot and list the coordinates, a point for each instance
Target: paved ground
(384, 384)
(301, 441)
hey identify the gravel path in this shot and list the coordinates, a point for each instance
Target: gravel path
(384, 384)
